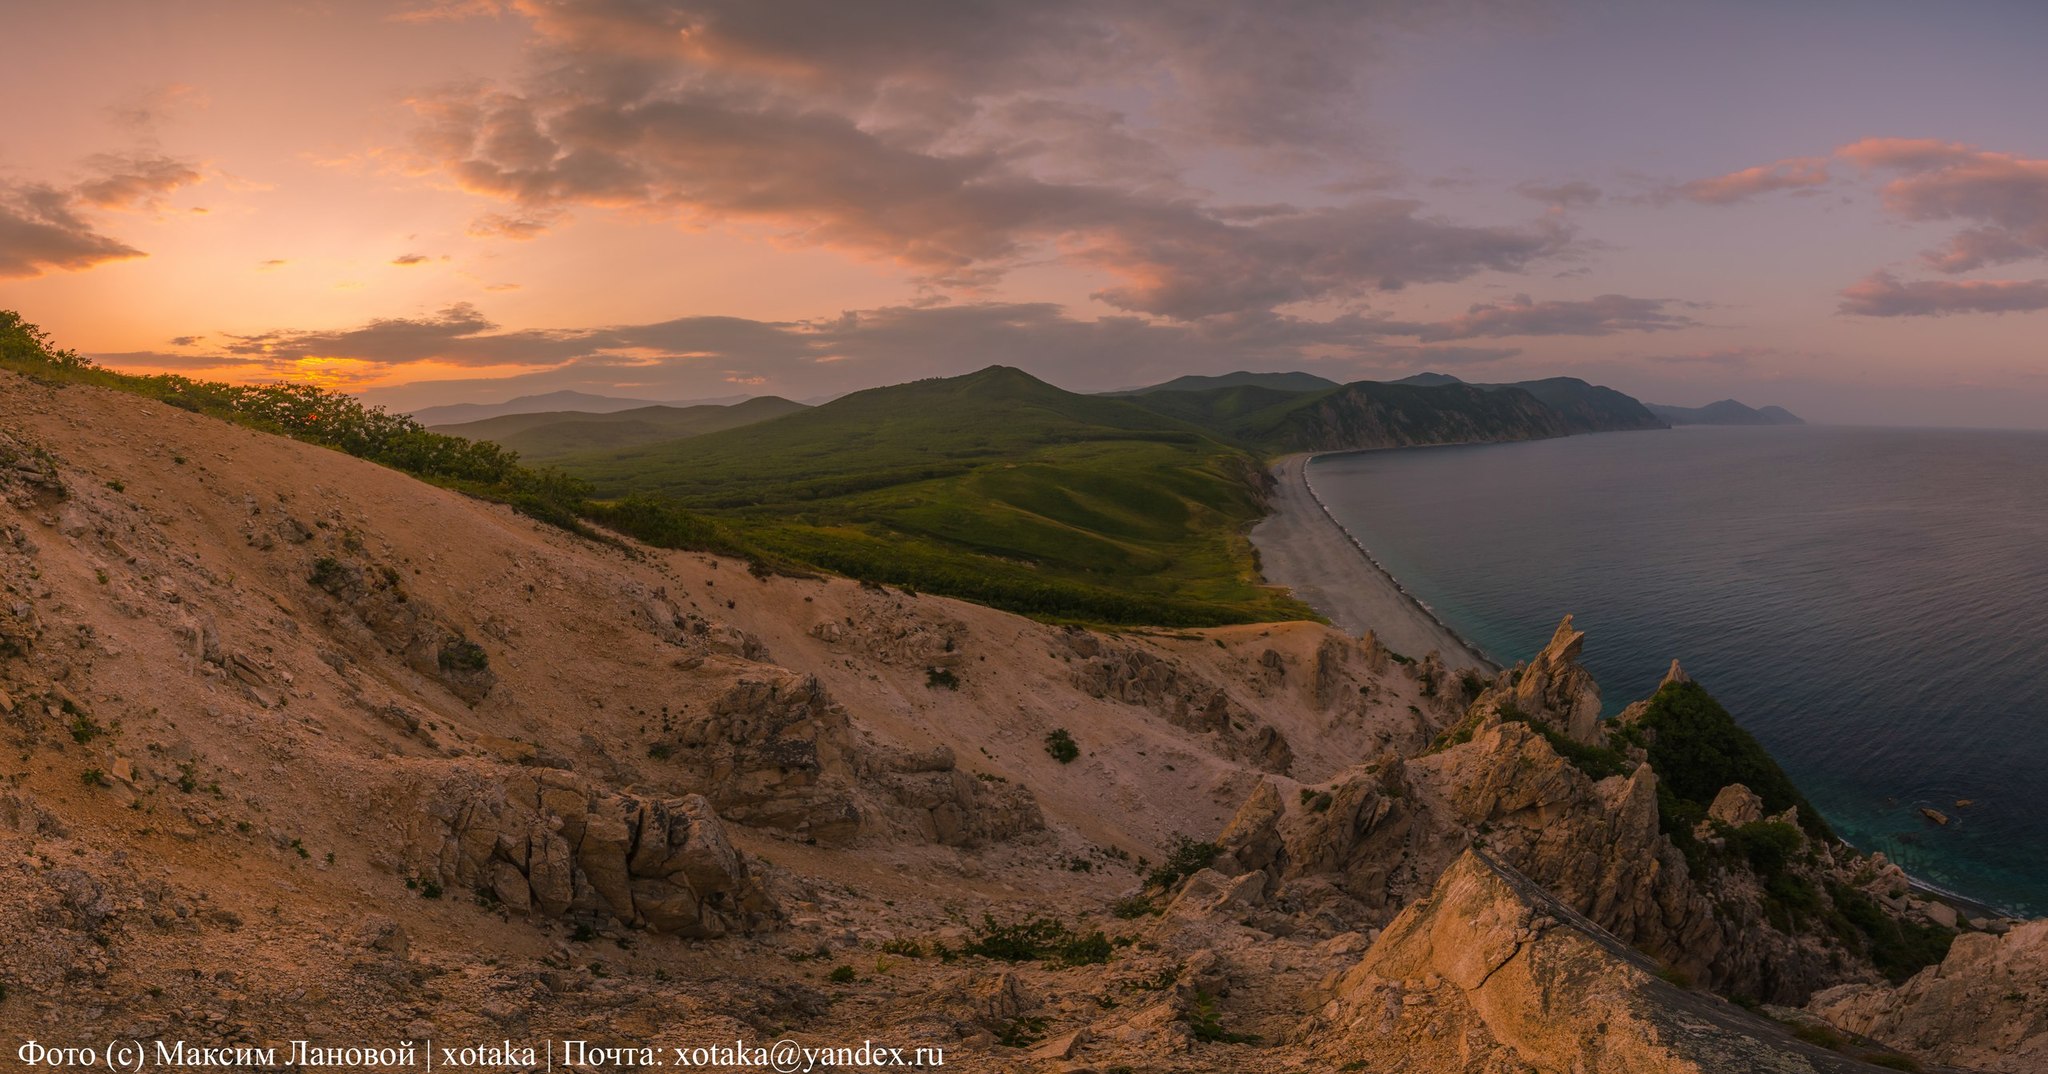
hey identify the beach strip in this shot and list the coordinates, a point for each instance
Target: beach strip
(1303, 548)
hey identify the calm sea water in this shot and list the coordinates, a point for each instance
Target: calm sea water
(1870, 603)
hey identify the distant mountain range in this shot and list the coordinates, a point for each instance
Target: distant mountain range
(1725, 412)
(550, 436)
(552, 402)
(1586, 407)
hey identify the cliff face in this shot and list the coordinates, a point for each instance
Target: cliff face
(1984, 1007)
(1488, 972)
(378, 760)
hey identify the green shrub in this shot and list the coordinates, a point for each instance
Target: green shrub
(935, 678)
(1185, 859)
(1898, 948)
(841, 975)
(463, 654)
(1767, 845)
(1039, 939)
(84, 730)
(1135, 906)
(1207, 1024)
(1062, 746)
(1697, 749)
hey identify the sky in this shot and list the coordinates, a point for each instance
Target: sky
(1841, 208)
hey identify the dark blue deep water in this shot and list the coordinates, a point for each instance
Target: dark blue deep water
(1870, 603)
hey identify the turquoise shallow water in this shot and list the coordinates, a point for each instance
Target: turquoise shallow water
(1871, 603)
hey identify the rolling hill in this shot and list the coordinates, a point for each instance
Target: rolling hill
(549, 436)
(1287, 382)
(552, 402)
(994, 486)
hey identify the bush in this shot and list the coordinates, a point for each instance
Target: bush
(1899, 949)
(1185, 859)
(463, 654)
(1039, 939)
(841, 975)
(1207, 1024)
(938, 677)
(1062, 746)
(1767, 845)
(1697, 749)
(1135, 906)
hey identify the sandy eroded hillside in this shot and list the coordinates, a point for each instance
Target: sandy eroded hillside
(301, 748)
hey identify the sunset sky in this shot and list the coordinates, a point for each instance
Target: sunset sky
(1837, 207)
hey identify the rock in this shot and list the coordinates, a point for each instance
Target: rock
(1984, 1007)
(1940, 913)
(1252, 838)
(1935, 815)
(554, 843)
(1736, 806)
(1061, 1047)
(1554, 687)
(1488, 973)
(379, 933)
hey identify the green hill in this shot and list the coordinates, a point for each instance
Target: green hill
(1286, 382)
(1368, 414)
(993, 486)
(548, 436)
(1001, 488)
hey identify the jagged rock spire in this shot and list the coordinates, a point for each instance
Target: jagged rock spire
(1676, 674)
(1554, 687)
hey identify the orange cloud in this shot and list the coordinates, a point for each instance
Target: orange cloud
(1794, 173)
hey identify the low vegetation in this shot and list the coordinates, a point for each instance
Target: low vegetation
(1038, 939)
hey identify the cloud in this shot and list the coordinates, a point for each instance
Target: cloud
(954, 141)
(42, 230)
(1601, 315)
(695, 356)
(1794, 173)
(1883, 295)
(411, 259)
(1561, 197)
(134, 181)
(143, 112)
(518, 227)
(2003, 195)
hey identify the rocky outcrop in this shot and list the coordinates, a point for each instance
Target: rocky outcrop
(1736, 806)
(1488, 973)
(895, 631)
(1586, 827)
(1984, 1007)
(930, 799)
(549, 843)
(1184, 698)
(1554, 687)
(772, 751)
(372, 603)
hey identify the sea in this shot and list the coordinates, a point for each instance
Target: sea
(1871, 603)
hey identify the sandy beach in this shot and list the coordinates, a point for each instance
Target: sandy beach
(1303, 548)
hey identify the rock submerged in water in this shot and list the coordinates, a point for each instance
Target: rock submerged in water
(1933, 814)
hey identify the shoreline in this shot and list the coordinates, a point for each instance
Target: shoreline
(1303, 547)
